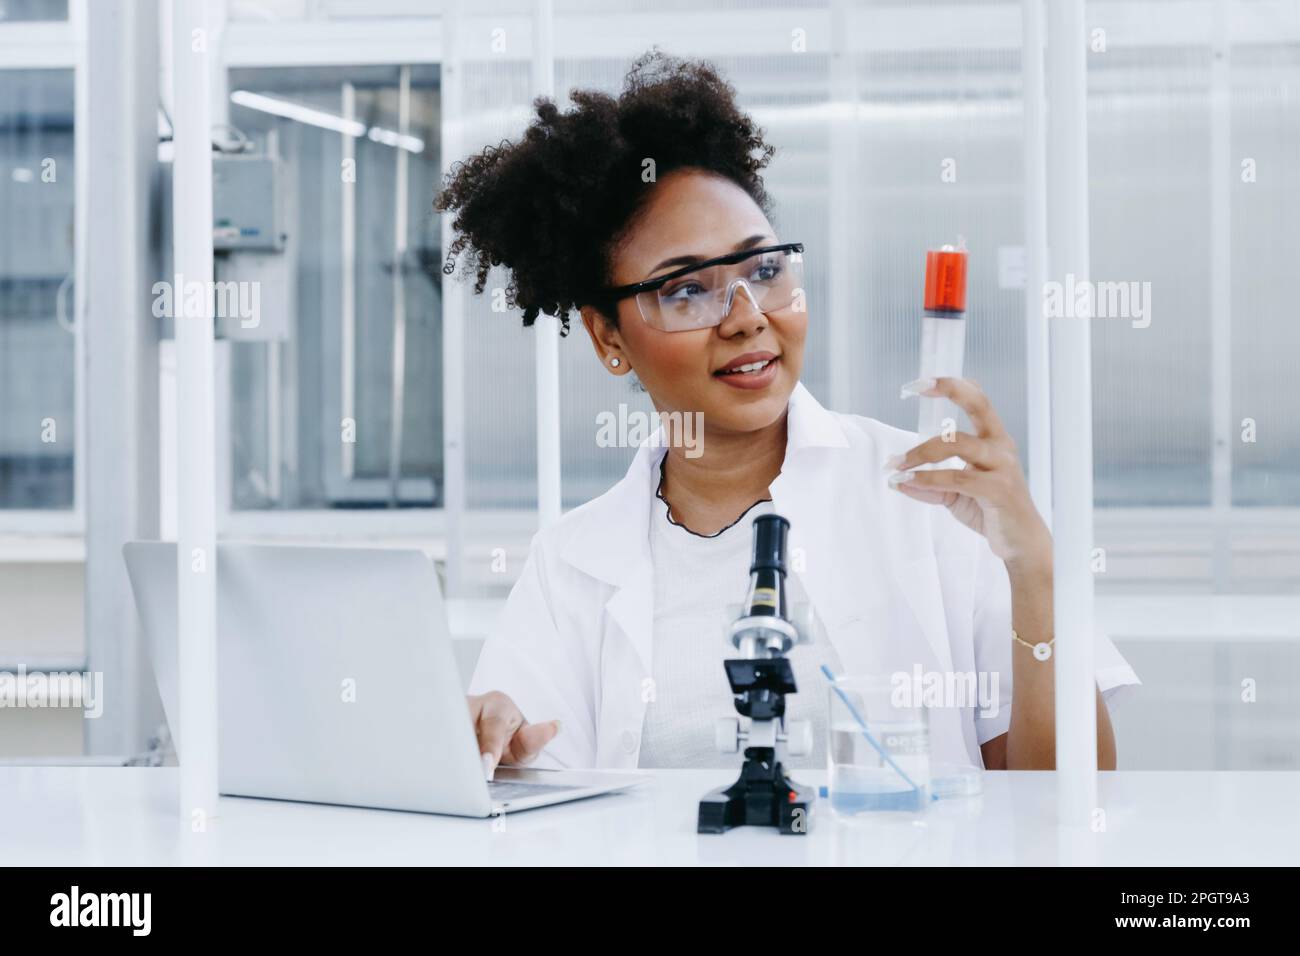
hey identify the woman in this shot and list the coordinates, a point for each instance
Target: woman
(647, 214)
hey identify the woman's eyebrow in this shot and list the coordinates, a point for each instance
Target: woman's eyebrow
(688, 259)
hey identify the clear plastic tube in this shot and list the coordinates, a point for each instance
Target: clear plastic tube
(943, 340)
(943, 346)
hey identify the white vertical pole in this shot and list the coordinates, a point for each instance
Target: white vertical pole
(117, 428)
(196, 466)
(348, 280)
(216, 16)
(1221, 295)
(547, 327)
(77, 14)
(397, 406)
(1037, 358)
(845, 176)
(453, 313)
(845, 293)
(1071, 391)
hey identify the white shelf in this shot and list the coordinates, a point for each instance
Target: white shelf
(42, 549)
(1199, 617)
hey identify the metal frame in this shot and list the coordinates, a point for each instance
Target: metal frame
(845, 182)
(454, 301)
(397, 404)
(121, 387)
(397, 40)
(348, 283)
(1037, 355)
(196, 531)
(1071, 397)
(44, 45)
(546, 328)
(387, 42)
(1220, 163)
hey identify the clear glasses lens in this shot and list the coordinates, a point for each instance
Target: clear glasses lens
(699, 300)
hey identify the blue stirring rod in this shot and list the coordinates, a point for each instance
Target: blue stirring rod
(866, 733)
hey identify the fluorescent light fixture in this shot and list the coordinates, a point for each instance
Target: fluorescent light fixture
(325, 120)
(298, 113)
(390, 137)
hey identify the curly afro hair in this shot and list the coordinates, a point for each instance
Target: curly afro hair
(552, 207)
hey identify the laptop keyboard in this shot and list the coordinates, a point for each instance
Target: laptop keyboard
(507, 790)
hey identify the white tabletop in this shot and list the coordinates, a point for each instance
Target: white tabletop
(127, 816)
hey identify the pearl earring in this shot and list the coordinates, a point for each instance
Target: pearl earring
(616, 362)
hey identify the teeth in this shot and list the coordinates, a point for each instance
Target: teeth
(751, 367)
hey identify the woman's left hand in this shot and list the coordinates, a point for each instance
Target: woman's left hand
(990, 494)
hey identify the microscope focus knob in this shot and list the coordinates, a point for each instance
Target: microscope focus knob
(799, 738)
(726, 734)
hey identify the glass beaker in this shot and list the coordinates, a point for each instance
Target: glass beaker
(878, 746)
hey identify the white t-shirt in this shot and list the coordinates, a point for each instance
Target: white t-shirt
(699, 586)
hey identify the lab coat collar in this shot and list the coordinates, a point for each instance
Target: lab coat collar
(593, 548)
(610, 540)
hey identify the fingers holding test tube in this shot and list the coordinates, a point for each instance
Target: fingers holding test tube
(988, 495)
(967, 395)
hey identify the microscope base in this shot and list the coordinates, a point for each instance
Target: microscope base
(762, 797)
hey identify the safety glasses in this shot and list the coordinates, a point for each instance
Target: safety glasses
(700, 296)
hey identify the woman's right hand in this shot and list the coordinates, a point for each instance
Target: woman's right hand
(502, 732)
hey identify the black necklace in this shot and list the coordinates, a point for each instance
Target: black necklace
(659, 493)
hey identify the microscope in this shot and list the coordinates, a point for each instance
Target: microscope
(760, 679)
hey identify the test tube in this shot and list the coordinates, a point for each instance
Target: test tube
(943, 336)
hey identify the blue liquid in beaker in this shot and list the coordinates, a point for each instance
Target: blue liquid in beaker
(861, 781)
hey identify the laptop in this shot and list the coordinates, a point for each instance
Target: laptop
(337, 683)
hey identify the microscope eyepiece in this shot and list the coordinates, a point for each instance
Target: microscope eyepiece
(763, 629)
(769, 544)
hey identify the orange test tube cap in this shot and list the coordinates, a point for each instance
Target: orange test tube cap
(945, 280)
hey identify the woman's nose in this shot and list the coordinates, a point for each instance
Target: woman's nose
(741, 311)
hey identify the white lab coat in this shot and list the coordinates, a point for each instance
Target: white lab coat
(897, 583)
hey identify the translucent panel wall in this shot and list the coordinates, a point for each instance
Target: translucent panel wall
(940, 141)
(913, 119)
(289, 395)
(499, 409)
(1149, 159)
(1160, 161)
(909, 116)
(1265, 247)
(37, 340)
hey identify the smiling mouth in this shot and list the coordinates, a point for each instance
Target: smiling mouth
(750, 368)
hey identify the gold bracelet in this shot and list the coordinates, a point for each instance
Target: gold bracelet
(1042, 650)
